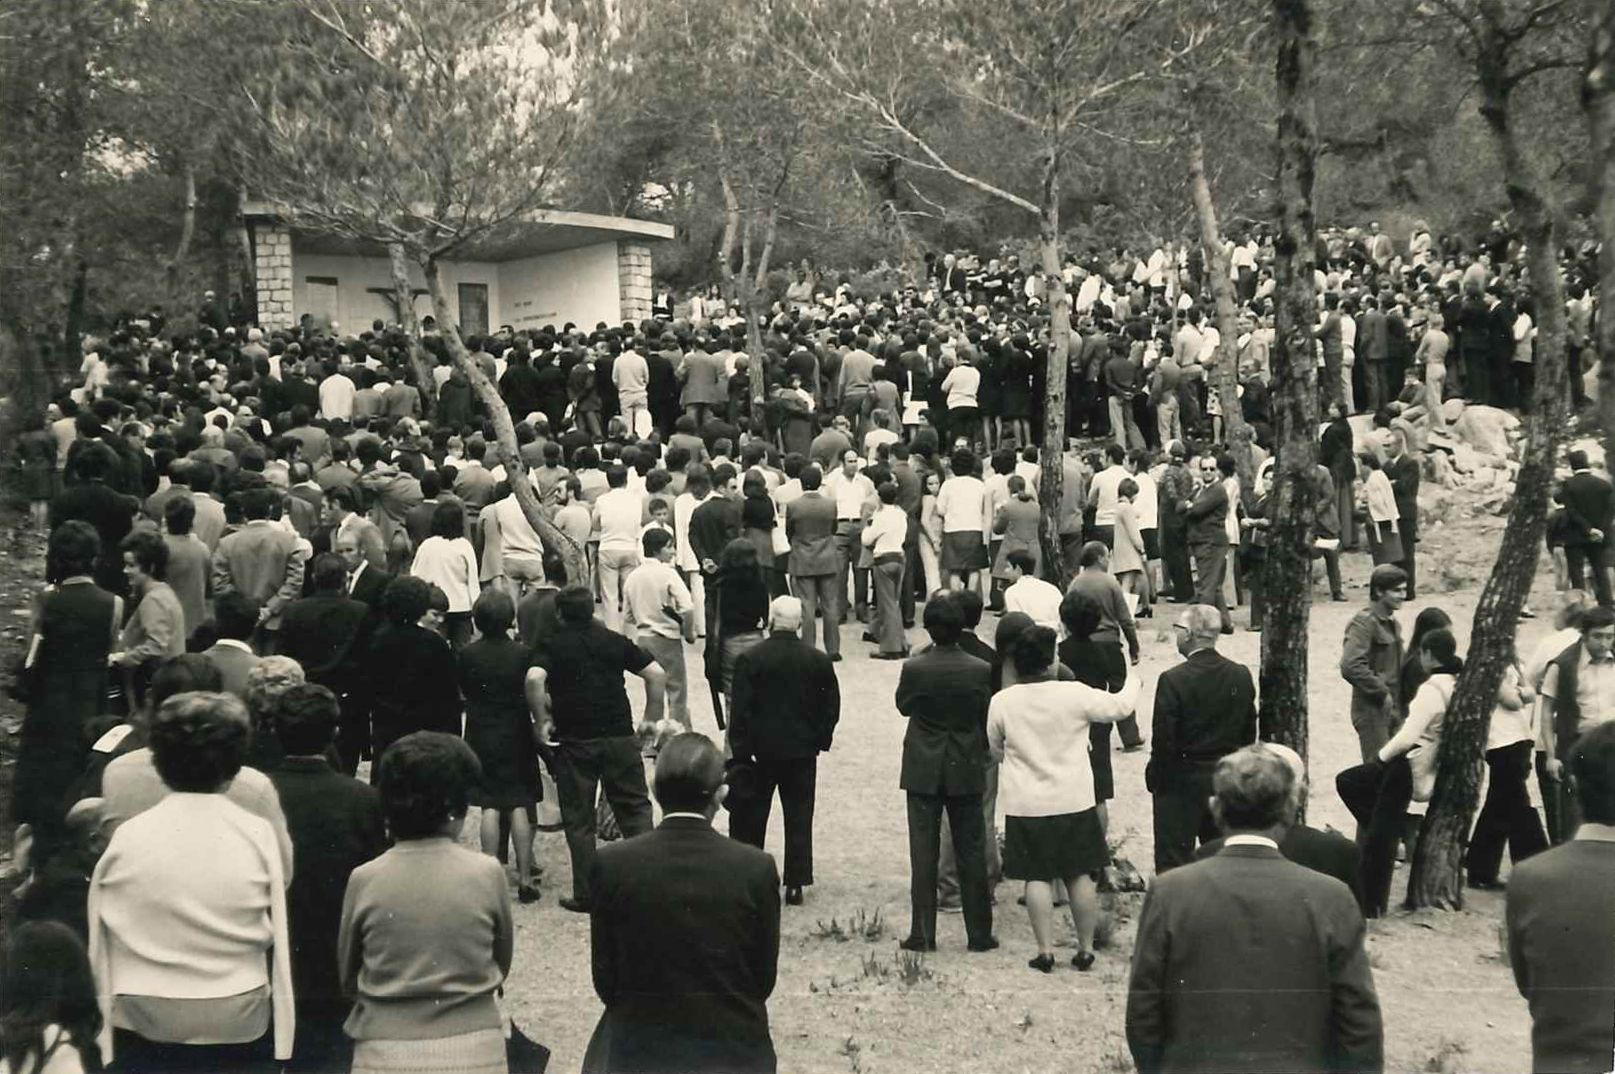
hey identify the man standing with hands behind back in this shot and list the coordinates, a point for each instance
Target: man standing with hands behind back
(1205, 709)
(786, 706)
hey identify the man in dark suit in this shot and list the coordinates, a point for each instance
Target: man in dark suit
(910, 495)
(1590, 508)
(943, 692)
(1205, 709)
(1329, 853)
(336, 825)
(325, 633)
(1561, 933)
(684, 936)
(95, 501)
(1247, 961)
(365, 582)
(784, 713)
(1206, 514)
(713, 524)
(236, 617)
(810, 523)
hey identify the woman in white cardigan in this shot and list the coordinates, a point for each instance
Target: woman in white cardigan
(187, 911)
(1384, 519)
(447, 560)
(1038, 731)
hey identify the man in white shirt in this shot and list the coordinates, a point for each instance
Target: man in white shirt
(850, 490)
(1102, 493)
(336, 396)
(661, 616)
(631, 374)
(885, 537)
(1029, 594)
(618, 514)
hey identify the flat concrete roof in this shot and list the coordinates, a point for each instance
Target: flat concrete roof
(542, 231)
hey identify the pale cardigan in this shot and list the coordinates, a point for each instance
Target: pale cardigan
(188, 902)
(1039, 733)
(1381, 499)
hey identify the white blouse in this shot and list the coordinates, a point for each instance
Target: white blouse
(451, 565)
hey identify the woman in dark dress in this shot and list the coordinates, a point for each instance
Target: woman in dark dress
(1093, 665)
(75, 623)
(990, 396)
(1015, 396)
(36, 451)
(499, 730)
(409, 673)
(742, 595)
(757, 522)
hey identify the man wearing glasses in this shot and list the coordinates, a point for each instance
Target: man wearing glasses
(1206, 513)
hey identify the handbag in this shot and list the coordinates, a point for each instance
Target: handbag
(523, 1054)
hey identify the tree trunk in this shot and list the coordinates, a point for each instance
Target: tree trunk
(1294, 401)
(1598, 99)
(1225, 363)
(187, 230)
(1051, 477)
(404, 299)
(731, 232)
(757, 366)
(1437, 877)
(504, 432)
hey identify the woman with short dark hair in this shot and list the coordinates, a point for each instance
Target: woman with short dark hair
(49, 1016)
(499, 730)
(187, 910)
(409, 676)
(741, 592)
(75, 623)
(155, 631)
(426, 937)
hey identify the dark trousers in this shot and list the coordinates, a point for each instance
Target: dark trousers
(1182, 816)
(321, 1046)
(1175, 554)
(1255, 563)
(848, 547)
(1506, 817)
(1210, 565)
(582, 769)
(1378, 796)
(913, 575)
(1524, 385)
(1374, 374)
(925, 846)
(352, 733)
(137, 1055)
(1409, 564)
(1115, 678)
(1578, 391)
(796, 778)
(817, 592)
(1582, 558)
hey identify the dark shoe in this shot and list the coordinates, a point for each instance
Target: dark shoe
(549, 827)
(870, 636)
(835, 658)
(793, 896)
(1083, 960)
(888, 656)
(577, 906)
(908, 624)
(1338, 598)
(1228, 629)
(1132, 747)
(914, 943)
(528, 893)
(1042, 963)
(1488, 885)
(989, 944)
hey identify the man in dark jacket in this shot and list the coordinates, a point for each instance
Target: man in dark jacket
(684, 936)
(1403, 471)
(1246, 961)
(786, 705)
(1590, 510)
(1336, 451)
(1205, 709)
(944, 692)
(336, 825)
(96, 502)
(1206, 515)
(325, 633)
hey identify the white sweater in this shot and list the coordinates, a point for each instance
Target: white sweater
(185, 904)
(451, 565)
(1039, 731)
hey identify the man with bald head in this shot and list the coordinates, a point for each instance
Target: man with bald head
(684, 934)
(1326, 852)
(1205, 709)
(1248, 961)
(786, 704)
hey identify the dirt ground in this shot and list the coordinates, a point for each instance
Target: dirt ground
(847, 1003)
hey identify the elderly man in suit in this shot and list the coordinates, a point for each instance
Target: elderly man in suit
(1561, 933)
(810, 523)
(336, 825)
(684, 935)
(784, 713)
(944, 692)
(1326, 852)
(1205, 709)
(1247, 961)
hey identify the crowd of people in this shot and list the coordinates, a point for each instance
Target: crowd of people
(281, 561)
